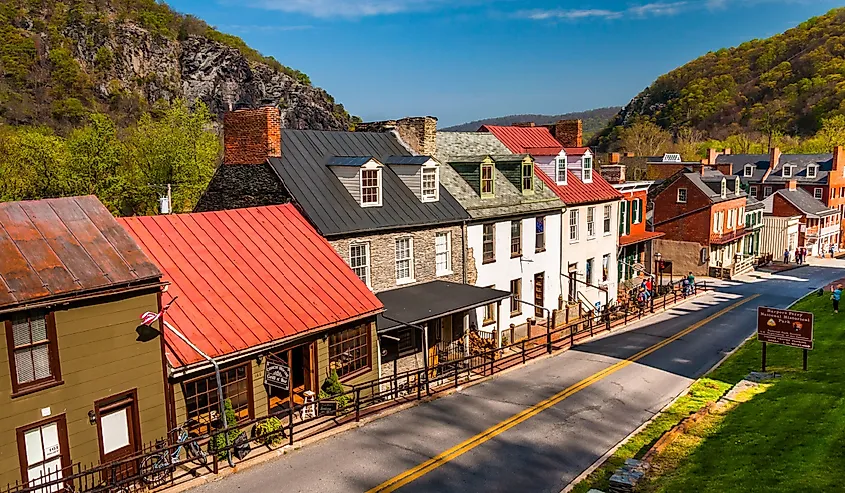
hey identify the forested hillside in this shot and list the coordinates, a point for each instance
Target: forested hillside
(785, 85)
(594, 120)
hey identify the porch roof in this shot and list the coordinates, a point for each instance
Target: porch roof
(419, 303)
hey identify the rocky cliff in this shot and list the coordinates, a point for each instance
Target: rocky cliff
(60, 60)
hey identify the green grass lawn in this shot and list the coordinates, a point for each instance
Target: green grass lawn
(790, 438)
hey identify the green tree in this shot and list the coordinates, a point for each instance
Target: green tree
(644, 138)
(33, 164)
(94, 162)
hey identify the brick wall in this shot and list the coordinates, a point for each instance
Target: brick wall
(683, 222)
(252, 135)
(419, 133)
(783, 208)
(568, 132)
(383, 255)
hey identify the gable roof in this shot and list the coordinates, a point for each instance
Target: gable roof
(328, 204)
(576, 192)
(247, 277)
(752, 204)
(576, 151)
(710, 183)
(60, 248)
(803, 201)
(760, 163)
(520, 139)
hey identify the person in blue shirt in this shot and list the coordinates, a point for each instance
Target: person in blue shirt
(835, 297)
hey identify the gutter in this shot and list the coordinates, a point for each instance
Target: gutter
(50, 303)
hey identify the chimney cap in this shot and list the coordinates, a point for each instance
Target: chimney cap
(264, 102)
(243, 104)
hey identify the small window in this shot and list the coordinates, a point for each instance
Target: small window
(429, 185)
(349, 350)
(201, 404)
(359, 260)
(489, 242)
(489, 312)
(753, 190)
(404, 260)
(516, 238)
(587, 169)
(730, 219)
(724, 188)
(589, 271)
(608, 210)
(624, 222)
(561, 169)
(682, 195)
(573, 225)
(637, 211)
(527, 177)
(370, 187)
(591, 222)
(767, 191)
(540, 235)
(787, 171)
(811, 171)
(487, 180)
(749, 170)
(516, 294)
(33, 352)
(605, 267)
(817, 193)
(443, 253)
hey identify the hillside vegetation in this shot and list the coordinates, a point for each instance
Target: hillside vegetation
(594, 120)
(786, 85)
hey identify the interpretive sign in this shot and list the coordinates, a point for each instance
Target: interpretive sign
(785, 327)
(327, 408)
(277, 374)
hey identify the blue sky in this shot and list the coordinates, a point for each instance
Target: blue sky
(462, 60)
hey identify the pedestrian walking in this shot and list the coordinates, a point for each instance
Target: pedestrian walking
(831, 250)
(835, 297)
(691, 279)
(786, 256)
(803, 254)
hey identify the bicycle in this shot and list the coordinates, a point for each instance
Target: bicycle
(157, 467)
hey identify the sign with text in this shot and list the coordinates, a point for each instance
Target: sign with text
(327, 408)
(785, 327)
(277, 374)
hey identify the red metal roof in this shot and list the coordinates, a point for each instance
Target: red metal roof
(576, 151)
(520, 139)
(577, 192)
(247, 277)
(57, 248)
(639, 238)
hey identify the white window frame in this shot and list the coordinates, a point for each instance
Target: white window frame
(787, 171)
(561, 168)
(365, 266)
(818, 193)
(814, 170)
(448, 253)
(737, 187)
(724, 188)
(636, 205)
(587, 169)
(749, 170)
(752, 189)
(591, 222)
(684, 201)
(731, 219)
(409, 259)
(607, 223)
(574, 227)
(430, 197)
(378, 202)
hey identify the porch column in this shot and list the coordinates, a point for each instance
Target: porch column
(498, 325)
(466, 334)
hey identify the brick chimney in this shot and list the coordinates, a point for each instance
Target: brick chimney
(524, 124)
(613, 173)
(774, 157)
(792, 185)
(568, 132)
(838, 158)
(251, 135)
(613, 158)
(727, 151)
(419, 133)
(712, 154)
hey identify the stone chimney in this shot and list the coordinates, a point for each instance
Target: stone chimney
(524, 124)
(613, 173)
(568, 132)
(792, 185)
(839, 158)
(251, 135)
(419, 133)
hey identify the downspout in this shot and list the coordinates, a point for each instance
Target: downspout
(464, 228)
(219, 385)
(562, 243)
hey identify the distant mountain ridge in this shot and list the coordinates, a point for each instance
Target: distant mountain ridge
(593, 120)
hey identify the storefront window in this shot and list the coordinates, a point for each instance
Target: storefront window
(201, 401)
(349, 350)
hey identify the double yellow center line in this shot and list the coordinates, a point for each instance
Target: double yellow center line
(426, 467)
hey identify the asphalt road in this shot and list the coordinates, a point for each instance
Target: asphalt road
(547, 451)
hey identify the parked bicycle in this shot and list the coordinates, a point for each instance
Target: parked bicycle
(156, 468)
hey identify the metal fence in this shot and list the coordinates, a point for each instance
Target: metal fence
(170, 461)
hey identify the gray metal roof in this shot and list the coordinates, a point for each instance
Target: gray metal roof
(711, 184)
(412, 160)
(803, 201)
(760, 162)
(752, 204)
(327, 203)
(355, 161)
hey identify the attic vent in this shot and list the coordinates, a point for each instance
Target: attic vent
(672, 158)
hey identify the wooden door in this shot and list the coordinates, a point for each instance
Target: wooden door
(119, 430)
(43, 452)
(538, 293)
(573, 284)
(435, 336)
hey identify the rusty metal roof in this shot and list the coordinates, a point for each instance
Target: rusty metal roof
(61, 248)
(248, 278)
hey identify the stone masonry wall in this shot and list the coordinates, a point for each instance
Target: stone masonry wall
(383, 255)
(237, 186)
(418, 133)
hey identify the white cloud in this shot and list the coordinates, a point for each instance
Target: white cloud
(262, 28)
(654, 9)
(349, 8)
(539, 15)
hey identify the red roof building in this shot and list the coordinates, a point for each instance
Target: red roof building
(255, 287)
(526, 140)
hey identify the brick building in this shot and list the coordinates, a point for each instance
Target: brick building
(379, 202)
(702, 214)
(819, 225)
(820, 175)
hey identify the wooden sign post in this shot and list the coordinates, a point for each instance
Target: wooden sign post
(785, 327)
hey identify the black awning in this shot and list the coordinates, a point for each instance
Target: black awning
(419, 303)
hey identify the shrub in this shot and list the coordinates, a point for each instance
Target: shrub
(333, 389)
(270, 431)
(217, 445)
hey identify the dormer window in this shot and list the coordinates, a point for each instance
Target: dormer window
(560, 169)
(487, 180)
(787, 171)
(430, 186)
(812, 170)
(749, 170)
(370, 187)
(528, 177)
(737, 188)
(724, 188)
(587, 169)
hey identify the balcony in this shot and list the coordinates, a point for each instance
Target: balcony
(816, 232)
(727, 237)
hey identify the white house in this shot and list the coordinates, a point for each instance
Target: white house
(513, 238)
